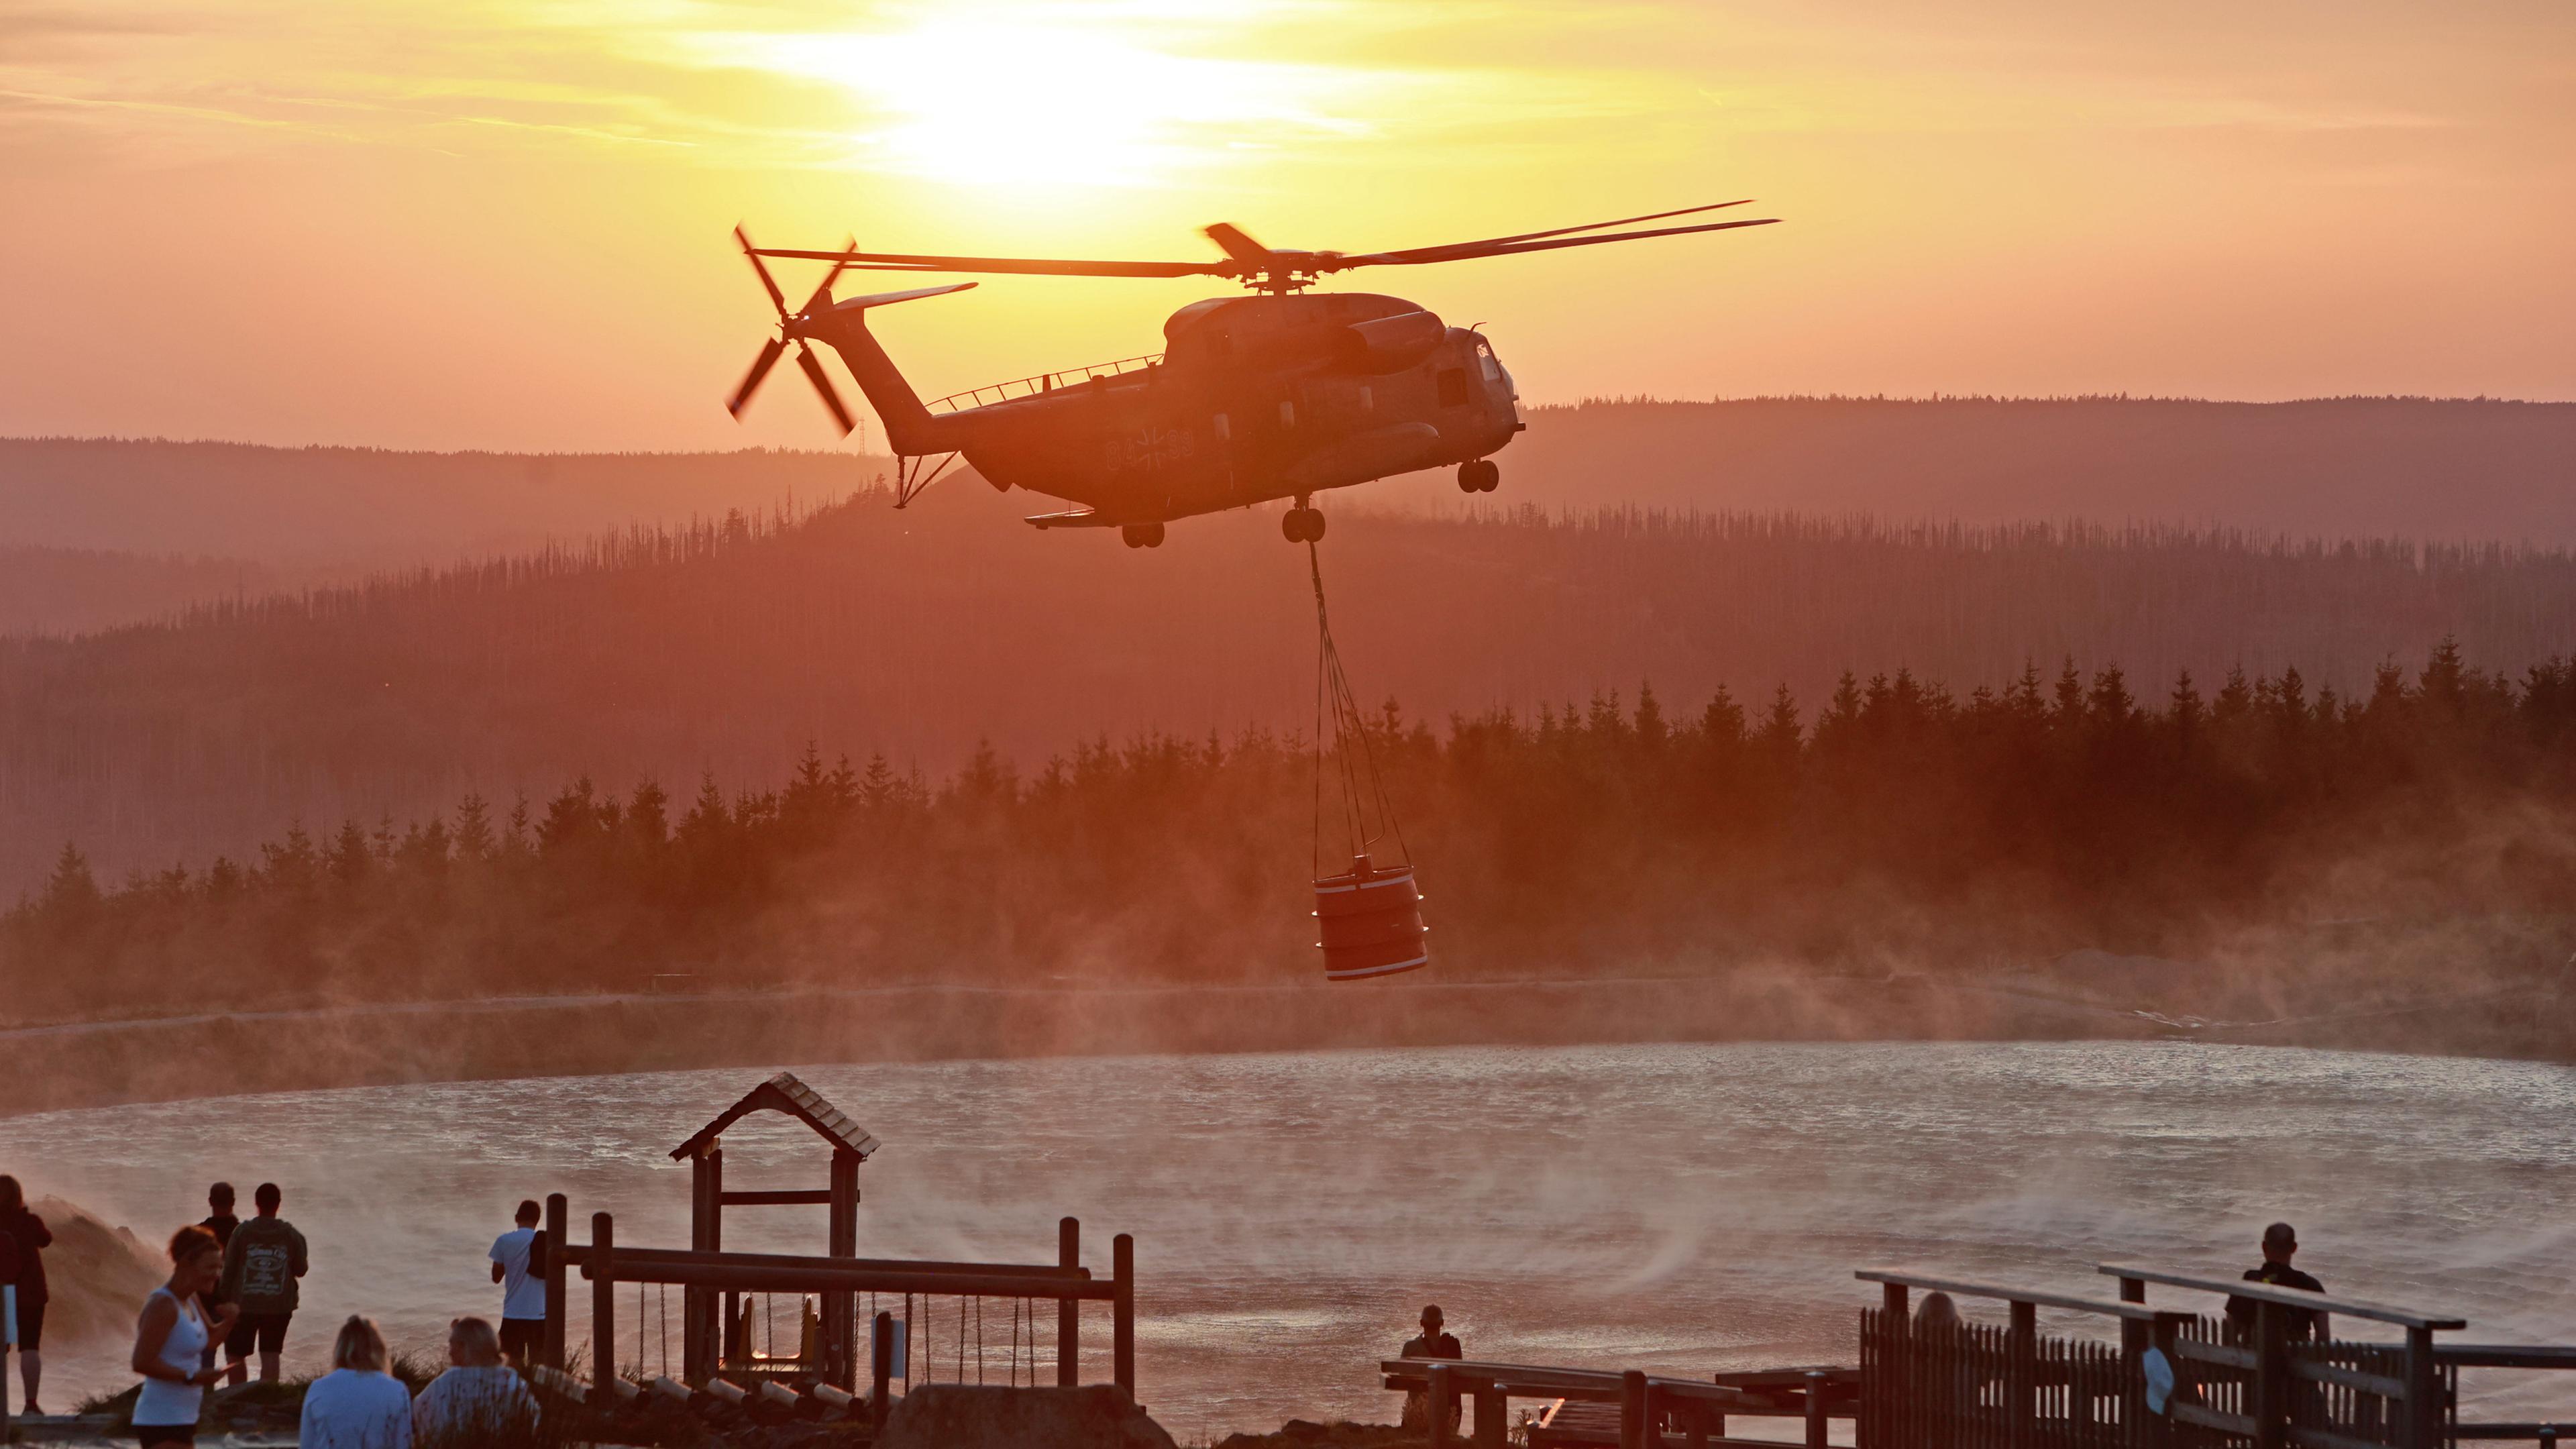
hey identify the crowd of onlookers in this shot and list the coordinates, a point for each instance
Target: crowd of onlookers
(233, 1291)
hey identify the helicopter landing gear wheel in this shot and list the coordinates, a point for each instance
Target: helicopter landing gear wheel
(1142, 535)
(1302, 525)
(1479, 475)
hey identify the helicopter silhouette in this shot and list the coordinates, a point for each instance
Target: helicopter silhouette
(1282, 394)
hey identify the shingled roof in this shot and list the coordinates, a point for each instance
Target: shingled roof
(785, 1093)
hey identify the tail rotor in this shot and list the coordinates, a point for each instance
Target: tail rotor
(791, 329)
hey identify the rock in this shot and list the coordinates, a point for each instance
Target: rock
(99, 1276)
(965, 1416)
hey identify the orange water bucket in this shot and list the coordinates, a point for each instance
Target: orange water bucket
(1371, 922)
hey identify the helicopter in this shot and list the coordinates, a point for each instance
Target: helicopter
(1282, 394)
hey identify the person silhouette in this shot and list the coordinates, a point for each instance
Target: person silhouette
(1431, 1343)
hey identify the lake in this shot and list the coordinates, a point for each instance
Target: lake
(1676, 1208)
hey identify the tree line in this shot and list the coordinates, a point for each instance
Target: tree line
(1893, 819)
(726, 645)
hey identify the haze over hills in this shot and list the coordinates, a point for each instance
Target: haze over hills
(361, 508)
(2357, 468)
(2335, 468)
(727, 647)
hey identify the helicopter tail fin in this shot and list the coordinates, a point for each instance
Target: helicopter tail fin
(911, 429)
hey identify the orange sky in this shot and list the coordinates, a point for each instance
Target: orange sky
(456, 223)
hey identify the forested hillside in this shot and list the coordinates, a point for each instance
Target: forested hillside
(1892, 825)
(2450, 470)
(2420, 468)
(77, 590)
(354, 509)
(729, 646)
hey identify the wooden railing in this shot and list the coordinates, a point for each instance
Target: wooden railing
(2272, 1389)
(1650, 1405)
(2454, 1357)
(2262, 1386)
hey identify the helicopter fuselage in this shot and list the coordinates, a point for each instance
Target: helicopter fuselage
(1254, 398)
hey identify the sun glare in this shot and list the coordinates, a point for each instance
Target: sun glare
(1005, 97)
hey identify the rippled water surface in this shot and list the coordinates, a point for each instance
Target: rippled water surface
(1683, 1208)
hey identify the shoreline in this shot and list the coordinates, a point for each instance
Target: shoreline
(69, 1066)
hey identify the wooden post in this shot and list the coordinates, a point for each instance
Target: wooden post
(1068, 1311)
(840, 1310)
(715, 1320)
(2271, 1375)
(1632, 1410)
(1896, 1368)
(697, 1359)
(1819, 1428)
(1492, 1408)
(880, 1373)
(603, 1302)
(2423, 1427)
(1122, 1329)
(2021, 1377)
(2133, 1373)
(1436, 1402)
(550, 1345)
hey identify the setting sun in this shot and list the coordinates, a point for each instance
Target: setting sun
(1006, 96)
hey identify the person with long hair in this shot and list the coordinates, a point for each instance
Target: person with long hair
(357, 1405)
(170, 1341)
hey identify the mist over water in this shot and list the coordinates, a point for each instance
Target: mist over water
(1680, 1208)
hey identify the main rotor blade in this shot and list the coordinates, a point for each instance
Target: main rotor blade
(838, 266)
(822, 381)
(1511, 249)
(760, 366)
(1236, 244)
(1439, 253)
(777, 298)
(1034, 266)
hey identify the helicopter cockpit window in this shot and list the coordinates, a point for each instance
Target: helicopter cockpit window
(1485, 359)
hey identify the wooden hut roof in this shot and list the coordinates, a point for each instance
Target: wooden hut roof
(785, 1093)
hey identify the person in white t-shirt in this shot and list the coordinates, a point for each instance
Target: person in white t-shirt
(479, 1401)
(519, 1266)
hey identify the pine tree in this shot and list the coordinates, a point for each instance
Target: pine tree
(474, 842)
(71, 899)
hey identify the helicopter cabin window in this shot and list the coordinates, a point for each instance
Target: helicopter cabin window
(1368, 399)
(1287, 414)
(1224, 428)
(1453, 387)
(1485, 359)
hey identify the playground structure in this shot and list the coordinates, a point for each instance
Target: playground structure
(720, 1355)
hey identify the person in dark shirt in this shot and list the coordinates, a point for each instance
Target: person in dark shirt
(31, 1237)
(220, 1221)
(2280, 1245)
(1431, 1344)
(261, 1267)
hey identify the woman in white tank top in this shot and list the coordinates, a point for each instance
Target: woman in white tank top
(170, 1343)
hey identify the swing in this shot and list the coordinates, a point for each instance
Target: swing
(1370, 915)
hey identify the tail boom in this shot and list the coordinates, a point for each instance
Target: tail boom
(911, 429)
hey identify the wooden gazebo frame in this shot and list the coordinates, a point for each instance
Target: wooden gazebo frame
(703, 1340)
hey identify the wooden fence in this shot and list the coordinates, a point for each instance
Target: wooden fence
(2263, 1386)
